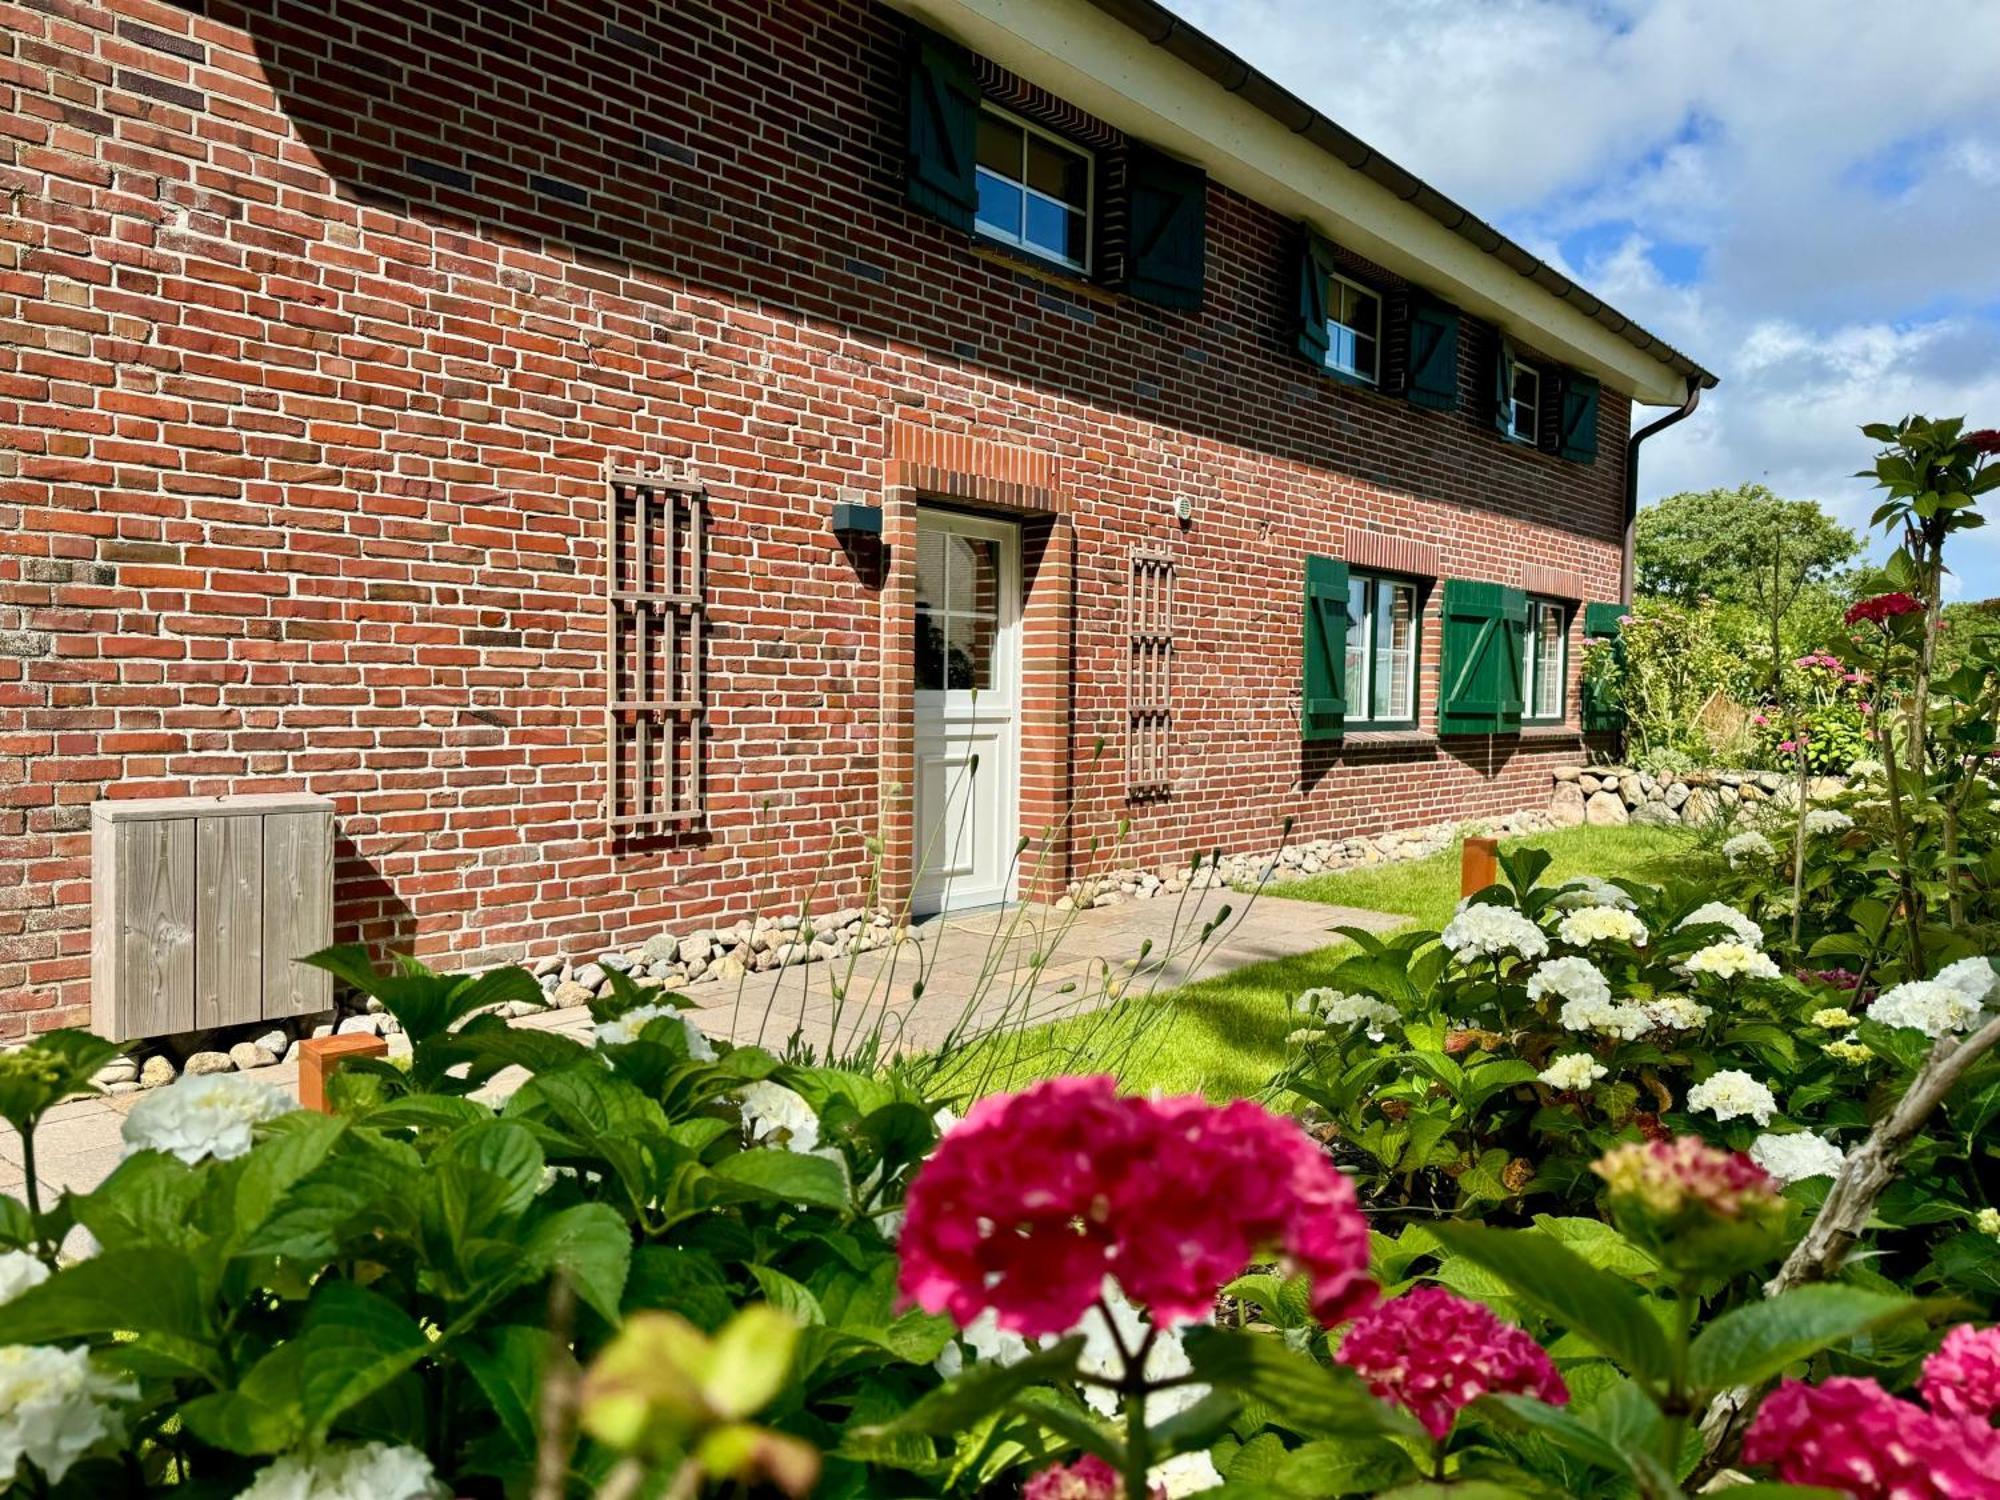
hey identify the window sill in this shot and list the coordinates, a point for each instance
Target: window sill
(1549, 732)
(1055, 273)
(1375, 739)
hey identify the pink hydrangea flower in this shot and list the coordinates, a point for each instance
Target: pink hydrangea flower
(1962, 1379)
(1883, 608)
(1028, 1204)
(1089, 1478)
(1850, 1434)
(1435, 1353)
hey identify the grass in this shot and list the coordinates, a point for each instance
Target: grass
(1224, 1037)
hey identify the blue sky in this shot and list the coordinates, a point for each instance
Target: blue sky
(1802, 194)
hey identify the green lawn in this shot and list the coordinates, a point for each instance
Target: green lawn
(1224, 1037)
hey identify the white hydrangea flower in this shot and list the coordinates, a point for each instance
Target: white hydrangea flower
(55, 1406)
(1602, 924)
(1605, 1017)
(1930, 1005)
(212, 1114)
(1987, 1221)
(1166, 1360)
(1574, 1072)
(1793, 1158)
(1571, 978)
(1971, 977)
(1827, 820)
(621, 1030)
(771, 1107)
(1488, 931)
(1722, 914)
(1732, 961)
(1866, 768)
(349, 1471)
(1732, 1093)
(18, 1271)
(1835, 1018)
(987, 1341)
(1676, 1013)
(1748, 848)
(1337, 1008)
(1590, 890)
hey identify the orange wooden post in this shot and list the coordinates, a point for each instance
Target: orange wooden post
(1479, 865)
(322, 1054)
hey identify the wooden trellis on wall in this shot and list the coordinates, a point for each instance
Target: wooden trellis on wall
(1149, 614)
(653, 651)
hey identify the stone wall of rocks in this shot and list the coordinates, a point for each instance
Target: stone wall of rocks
(1291, 862)
(1610, 795)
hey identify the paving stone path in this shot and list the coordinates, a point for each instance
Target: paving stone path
(953, 975)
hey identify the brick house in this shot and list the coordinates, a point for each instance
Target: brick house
(646, 462)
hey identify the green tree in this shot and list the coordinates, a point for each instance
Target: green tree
(1743, 546)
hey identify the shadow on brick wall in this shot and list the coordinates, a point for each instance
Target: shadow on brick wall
(551, 126)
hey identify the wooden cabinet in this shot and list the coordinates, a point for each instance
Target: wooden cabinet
(201, 908)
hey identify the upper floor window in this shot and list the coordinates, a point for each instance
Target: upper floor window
(1545, 662)
(1353, 329)
(1381, 651)
(1524, 403)
(1034, 189)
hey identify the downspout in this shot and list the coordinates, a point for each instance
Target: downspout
(1632, 478)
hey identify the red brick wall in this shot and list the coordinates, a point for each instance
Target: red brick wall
(321, 321)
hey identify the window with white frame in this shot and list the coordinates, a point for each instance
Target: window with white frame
(1381, 651)
(1034, 189)
(1524, 404)
(1353, 329)
(1545, 662)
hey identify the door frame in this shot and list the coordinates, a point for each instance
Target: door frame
(936, 718)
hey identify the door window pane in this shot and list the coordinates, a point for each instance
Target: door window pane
(1544, 660)
(958, 611)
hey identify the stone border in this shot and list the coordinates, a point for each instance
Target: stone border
(1608, 796)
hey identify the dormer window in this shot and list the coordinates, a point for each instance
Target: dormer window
(1034, 190)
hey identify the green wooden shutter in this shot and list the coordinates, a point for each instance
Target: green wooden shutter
(1167, 221)
(1432, 378)
(1503, 386)
(1600, 621)
(1323, 700)
(1315, 265)
(1577, 437)
(1485, 626)
(943, 129)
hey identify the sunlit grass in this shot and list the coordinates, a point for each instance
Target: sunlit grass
(1224, 1037)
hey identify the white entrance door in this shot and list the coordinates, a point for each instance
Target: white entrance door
(968, 653)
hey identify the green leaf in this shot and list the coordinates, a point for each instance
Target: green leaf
(789, 1296)
(507, 1363)
(785, 1177)
(592, 1245)
(1560, 1284)
(1304, 1395)
(1755, 1342)
(980, 1391)
(1342, 1466)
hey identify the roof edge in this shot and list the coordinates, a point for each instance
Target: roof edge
(1194, 47)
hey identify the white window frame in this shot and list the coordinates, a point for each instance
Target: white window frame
(1533, 435)
(1361, 694)
(1532, 711)
(1368, 377)
(1088, 210)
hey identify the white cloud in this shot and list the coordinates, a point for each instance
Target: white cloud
(1828, 165)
